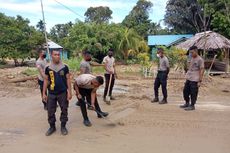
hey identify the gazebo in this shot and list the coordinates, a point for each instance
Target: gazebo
(211, 44)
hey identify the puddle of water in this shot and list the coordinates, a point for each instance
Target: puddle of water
(11, 132)
(218, 107)
(117, 89)
(215, 106)
(10, 135)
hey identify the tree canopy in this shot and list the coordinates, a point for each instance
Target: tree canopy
(192, 16)
(128, 39)
(18, 39)
(138, 18)
(101, 14)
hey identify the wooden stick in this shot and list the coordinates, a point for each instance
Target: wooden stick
(23, 79)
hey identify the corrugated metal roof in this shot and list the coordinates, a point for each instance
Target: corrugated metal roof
(53, 45)
(165, 40)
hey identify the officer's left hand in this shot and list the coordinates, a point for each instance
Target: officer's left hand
(199, 84)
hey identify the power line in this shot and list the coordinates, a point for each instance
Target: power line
(69, 9)
(43, 16)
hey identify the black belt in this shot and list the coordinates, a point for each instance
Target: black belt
(159, 71)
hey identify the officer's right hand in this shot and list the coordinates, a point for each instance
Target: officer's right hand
(79, 96)
(92, 107)
(44, 98)
(110, 72)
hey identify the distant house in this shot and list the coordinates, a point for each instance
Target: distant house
(55, 46)
(165, 40)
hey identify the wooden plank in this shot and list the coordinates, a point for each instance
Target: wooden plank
(219, 66)
(227, 60)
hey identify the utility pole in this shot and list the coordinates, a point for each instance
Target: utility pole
(47, 45)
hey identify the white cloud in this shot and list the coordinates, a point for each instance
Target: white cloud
(30, 7)
(113, 4)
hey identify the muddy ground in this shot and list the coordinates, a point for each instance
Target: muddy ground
(140, 125)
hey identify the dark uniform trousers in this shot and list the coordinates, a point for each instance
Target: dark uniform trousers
(86, 93)
(107, 78)
(52, 106)
(40, 83)
(161, 80)
(41, 89)
(190, 92)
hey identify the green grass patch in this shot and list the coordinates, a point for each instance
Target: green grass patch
(30, 72)
(98, 69)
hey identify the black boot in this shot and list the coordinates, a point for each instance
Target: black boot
(164, 101)
(51, 130)
(87, 123)
(185, 105)
(190, 108)
(112, 98)
(77, 103)
(155, 100)
(102, 114)
(64, 130)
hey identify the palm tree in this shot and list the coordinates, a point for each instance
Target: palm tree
(129, 43)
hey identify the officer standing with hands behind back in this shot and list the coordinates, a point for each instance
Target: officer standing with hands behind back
(194, 78)
(41, 65)
(162, 76)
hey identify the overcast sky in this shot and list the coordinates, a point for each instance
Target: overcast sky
(55, 13)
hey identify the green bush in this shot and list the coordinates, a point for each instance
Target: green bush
(132, 61)
(73, 63)
(176, 57)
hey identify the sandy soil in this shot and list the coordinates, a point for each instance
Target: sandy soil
(140, 125)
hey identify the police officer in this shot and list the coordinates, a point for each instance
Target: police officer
(85, 67)
(86, 86)
(110, 73)
(41, 64)
(194, 78)
(57, 80)
(162, 76)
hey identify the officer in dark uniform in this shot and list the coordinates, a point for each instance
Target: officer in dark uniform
(162, 76)
(57, 80)
(41, 65)
(194, 78)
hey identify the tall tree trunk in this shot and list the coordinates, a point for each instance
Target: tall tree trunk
(16, 63)
(22, 62)
(126, 55)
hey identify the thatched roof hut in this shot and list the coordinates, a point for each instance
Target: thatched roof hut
(207, 41)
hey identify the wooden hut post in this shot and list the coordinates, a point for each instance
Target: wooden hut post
(227, 60)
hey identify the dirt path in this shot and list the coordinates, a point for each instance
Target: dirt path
(142, 126)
